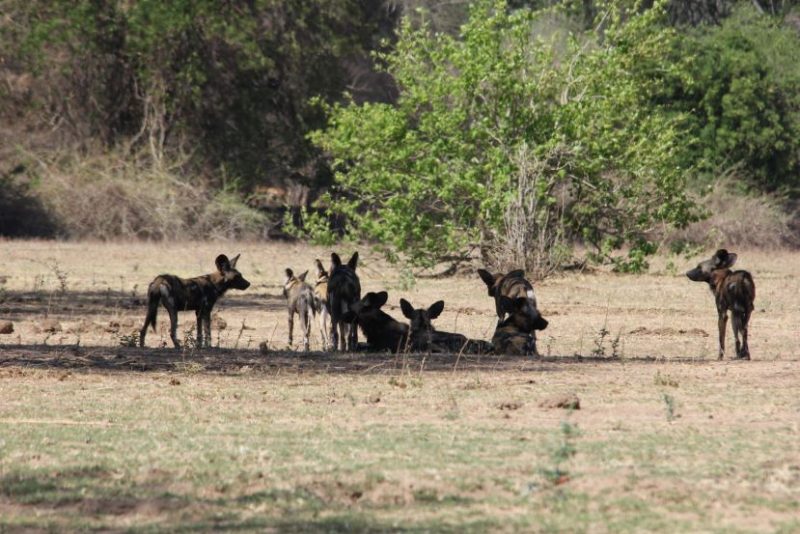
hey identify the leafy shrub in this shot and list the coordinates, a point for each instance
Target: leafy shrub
(436, 173)
(744, 94)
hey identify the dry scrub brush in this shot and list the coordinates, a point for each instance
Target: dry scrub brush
(114, 195)
(535, 235)
(737, 219)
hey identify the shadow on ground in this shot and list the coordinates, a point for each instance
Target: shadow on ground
(21, 305)
(235, 361)
(93, 498)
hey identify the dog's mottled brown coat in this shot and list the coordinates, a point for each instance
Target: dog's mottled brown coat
(382, 331)
(198, 294)
(424, 337)
(299, 300)
(321, 304)
(514, 335)
(344, 290)
(734, 291)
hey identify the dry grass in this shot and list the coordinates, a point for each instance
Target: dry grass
(114, 195)
(101, 436)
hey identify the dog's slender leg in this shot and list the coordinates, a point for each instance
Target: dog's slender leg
(173, 326)
(722, 323)
(305, 326)
(207, 328)
(291, 327)
(745, 347)
(199, 317)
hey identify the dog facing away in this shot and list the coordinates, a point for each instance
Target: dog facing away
(423, 337)
(733, 291)
(382, 331)
(299, 300)
(512, 285)
(344, 290)
(514, 335)
(198, 294)
(321, 303)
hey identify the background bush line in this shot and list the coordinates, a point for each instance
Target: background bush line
(516, 129)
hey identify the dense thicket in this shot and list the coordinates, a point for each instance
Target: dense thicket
(518, 128)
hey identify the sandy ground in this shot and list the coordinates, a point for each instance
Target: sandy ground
(94, 433)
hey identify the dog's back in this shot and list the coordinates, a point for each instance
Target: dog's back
(382, 331)
(344, 289)
(512, 285)
(735, 290)
(515, 335)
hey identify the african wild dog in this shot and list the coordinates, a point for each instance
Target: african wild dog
(300, 300)
(515, 334)
(382, 331)
(321, 303)
(198, 294)
(423, 337)
(512, 286)
(344, 290)
(734, 291)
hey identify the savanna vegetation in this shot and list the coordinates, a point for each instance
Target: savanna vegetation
(512, 131)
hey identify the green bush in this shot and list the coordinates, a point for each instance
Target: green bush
(744, 95)
(435, 174)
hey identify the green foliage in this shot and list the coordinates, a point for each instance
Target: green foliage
(436, 172)
(228, 82)
(745, 95)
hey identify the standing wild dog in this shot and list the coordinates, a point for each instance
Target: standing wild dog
(198, 294)
(734, 291)
(344, 290)
(423, 337)
(299, 300)
(321, 303)
(515, 334)
(382, 331)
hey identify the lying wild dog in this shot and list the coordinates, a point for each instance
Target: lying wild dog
(515, 334)
(423, 337)
(300, 300)
(321, 303)
(734, 291)
(344, 290)
(512, 285)
(382, 331)
(198, 294)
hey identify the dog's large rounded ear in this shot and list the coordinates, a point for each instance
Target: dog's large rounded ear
(223, 264)
(302, 277)
(731, 260)
(353, 261)
(234, 260)
(488, 279)
(519, 273)
(320, 268)
(436, 309)
(720, 258)
(380, 299)
(407, 308)
(289, 273)
(336, 261)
